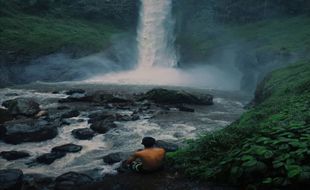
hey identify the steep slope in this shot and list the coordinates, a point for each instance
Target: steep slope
(268, 146)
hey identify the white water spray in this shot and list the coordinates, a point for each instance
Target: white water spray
(157, 59)
(155, 35)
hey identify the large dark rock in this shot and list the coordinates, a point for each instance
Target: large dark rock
(164, 96)
(13, 155)
(22, 106)
(108, 116)
(5, 115)
(75, 91)
(11, 179)
(72, 181)
(49, 158)
(34, 181)
(115, 157)
(168, 146)
(67, 148)
(28, 130)
(70, 114)
(103, 126)
(83, 134)
(100, 116)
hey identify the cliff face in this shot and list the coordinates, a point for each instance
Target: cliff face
(254, 36)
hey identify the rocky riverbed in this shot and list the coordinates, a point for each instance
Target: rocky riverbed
(55, 134)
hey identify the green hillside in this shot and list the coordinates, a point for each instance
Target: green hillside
(268, 147)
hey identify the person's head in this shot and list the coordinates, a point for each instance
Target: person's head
(148, 142)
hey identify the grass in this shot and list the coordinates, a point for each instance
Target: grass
(33, 35)
(268, 147)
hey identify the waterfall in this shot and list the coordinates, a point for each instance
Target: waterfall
(155, 37)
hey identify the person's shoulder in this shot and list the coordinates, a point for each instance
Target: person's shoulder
(160, 149)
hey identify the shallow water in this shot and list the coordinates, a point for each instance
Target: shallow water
(172, 126)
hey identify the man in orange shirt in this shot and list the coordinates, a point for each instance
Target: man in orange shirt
(149, 159)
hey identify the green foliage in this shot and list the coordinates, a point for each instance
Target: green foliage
(33, 35)
(268, 147)
(271, 36)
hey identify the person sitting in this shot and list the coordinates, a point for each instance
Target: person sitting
(147, 160)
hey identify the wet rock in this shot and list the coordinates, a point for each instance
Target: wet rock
(75, 98)
(83, 134)
(11, 179)
(103, 126)
(37, 182)
(13, 155)
(112, 158)
(135, 117)
(41, 113)
(63, 107)
(5, 115)
(67, 148)
(22, 106)
(72, 180)
(168, 146)
(70, 114)
(105, 97)
(11, 94)
(28, 130)
(108, 116)
(49, 158)
(100, 116)
(185, 109)
(164, 96)
(75, 91)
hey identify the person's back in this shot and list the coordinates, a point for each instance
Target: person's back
(152, 158)
(149, 159)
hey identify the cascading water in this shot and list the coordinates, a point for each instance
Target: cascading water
(155, 35)
(157, 58)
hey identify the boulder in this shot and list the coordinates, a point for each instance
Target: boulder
(11, 179)
(67, 148)
(70, 114)
(108, 116)
(168, 146)
(41, 113)
(14, 155)
(5, 115)
(103, 126)
(22, 106)
(185, 109)
(100, 116)
(106, 97)
(49, 158)
(75, 91)
(35, 181)
(164, 96)
(28, 130)
(83, 134)
(71, 181)
(112, 158)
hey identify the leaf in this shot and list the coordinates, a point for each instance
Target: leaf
(267, 180)
(293, 170)
(247, 157)
(250, 163)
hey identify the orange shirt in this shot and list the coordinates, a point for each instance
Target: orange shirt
(151, 158)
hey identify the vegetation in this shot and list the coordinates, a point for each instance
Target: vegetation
(282, 35)
(33, 35)
(268, 147)
(41, 27)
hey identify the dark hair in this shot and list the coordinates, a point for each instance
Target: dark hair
(148, 142)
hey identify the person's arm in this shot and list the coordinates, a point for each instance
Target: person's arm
(132, 158)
